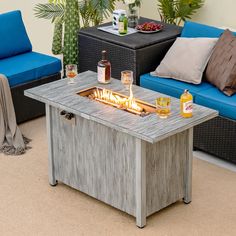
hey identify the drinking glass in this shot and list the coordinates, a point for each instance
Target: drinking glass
(71, 73)
(163, 107)
(127, 78)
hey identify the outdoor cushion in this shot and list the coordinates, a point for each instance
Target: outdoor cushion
(215, 99)
(13, 37)
(171, 87)
(221, 69)
(28, 67)
(186, 60)
(193, 30)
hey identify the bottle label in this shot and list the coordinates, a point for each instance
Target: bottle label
(121, 27)
(101, 74)
(188, 107)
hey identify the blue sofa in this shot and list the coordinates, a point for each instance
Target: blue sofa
(23, 67)
(218, 135)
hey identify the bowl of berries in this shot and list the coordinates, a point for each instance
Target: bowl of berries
(149, 27)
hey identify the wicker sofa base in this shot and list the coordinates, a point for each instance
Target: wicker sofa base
(27, 108)
(217, 137)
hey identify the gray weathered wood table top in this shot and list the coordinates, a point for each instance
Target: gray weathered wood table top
(150, 128)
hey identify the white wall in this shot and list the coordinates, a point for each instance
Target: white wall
(215, 12)
(218, 13)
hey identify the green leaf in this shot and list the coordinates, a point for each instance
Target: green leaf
(175, 11)
(57, 1)
(49, 11)
(102, 8)
(167, 10)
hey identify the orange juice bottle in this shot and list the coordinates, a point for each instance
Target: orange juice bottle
(186, 104)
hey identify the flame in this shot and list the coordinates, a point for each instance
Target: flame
(126, 103)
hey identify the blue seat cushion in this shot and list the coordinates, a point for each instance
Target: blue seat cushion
(13, 37)
(215, 99)
(171, 87)
(28, 67)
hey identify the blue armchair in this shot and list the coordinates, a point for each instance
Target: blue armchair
(23, 67)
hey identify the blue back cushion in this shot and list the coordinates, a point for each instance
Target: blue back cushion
(194, 30)
(13, 37)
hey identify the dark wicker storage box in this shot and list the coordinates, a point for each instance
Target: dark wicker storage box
(138, 52)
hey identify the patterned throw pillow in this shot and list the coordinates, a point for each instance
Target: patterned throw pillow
(221, 69)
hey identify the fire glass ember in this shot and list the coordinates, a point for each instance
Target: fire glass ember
(120, 101)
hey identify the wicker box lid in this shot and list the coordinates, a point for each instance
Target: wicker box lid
(137, 40)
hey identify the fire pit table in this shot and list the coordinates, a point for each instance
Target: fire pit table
(138, 164)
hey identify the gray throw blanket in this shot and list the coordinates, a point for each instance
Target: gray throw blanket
(12, 141)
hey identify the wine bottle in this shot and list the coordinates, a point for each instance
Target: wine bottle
(104, 69)
(123, 24)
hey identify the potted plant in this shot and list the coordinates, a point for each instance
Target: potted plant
(68, 16)
(178, 11)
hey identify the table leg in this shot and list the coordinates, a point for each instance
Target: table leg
(51, 174)
(188, 169)
(140, 183)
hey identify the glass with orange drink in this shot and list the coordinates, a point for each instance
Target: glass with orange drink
(71, 73)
